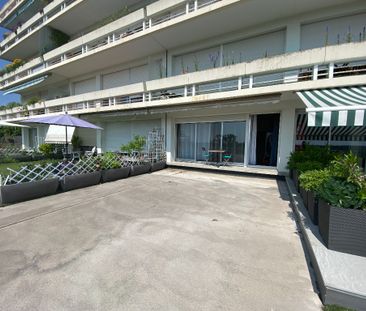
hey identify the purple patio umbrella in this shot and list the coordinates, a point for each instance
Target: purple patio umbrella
(62, 120)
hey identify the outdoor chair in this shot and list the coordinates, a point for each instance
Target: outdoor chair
(226, 159)
(91, 153)
(205, 155)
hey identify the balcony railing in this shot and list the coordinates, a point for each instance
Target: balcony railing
(88, 45)
(8, 7)
(231, 81)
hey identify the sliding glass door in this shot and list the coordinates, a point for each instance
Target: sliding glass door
(197, 141)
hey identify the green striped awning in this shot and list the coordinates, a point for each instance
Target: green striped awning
(335, 107)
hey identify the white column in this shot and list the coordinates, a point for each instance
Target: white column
(170, 139)
(99, 140)
(286, 143)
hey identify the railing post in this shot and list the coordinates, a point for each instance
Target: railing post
(193, 90)
(187, 7)
(195, 5)
(150, 22)
(331, 70)
(150, 96)
(251, 81)
(185, 91)
(315, 72)
(240, 82)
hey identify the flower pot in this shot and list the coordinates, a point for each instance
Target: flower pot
(157, 166)
(304, 196)
(80, 181)
(28, 190)
(140, 169)
(342, 229)
(115, 174)
(312, 202)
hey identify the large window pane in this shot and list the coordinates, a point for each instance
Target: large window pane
(203, 145)
(233, 140)
(185, 141)
(215, 141)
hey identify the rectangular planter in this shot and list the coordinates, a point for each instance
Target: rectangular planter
(343, 230)
(295, 175)
(28, 190)
(115, 174)
(157, 166)
(80, 181)
(140, 169)
(313, 207)
(304, 196)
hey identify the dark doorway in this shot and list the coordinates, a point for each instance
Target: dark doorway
(267, 139)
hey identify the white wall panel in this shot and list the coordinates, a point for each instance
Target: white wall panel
(85, 86)
(125, 77)
(333, 31)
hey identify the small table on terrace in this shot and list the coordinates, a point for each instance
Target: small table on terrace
(217, 152)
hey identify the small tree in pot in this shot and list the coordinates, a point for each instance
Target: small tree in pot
(134, 148)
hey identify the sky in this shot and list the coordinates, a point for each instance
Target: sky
(11, 97)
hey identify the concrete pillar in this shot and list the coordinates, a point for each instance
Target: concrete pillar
(99, 140)
(170, 139)
(25, 138)
(286, 142)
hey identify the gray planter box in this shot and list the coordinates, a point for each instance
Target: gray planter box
(140, 169)
(304, 196)
(115, 174)
(313, 207)
(28, 190)
(158, 166)
(343, 230)
(295, 175)
(80, 181)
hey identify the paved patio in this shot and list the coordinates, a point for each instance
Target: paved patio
(172, 240)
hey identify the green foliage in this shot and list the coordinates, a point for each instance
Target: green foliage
(33, 100)
(76, 142)
(312, 180)
(336, 308)
(46, 149)
(319, 156)
(346, 187)
(135, 145)
(10, 105)
(58, 37)
(12, 66)
(109, 160)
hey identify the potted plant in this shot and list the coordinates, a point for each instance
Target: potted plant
(89, 176)
(134, 149)
(112, 168)
(310, 183)
(342, 207)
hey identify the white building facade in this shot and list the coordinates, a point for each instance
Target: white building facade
(212, 75)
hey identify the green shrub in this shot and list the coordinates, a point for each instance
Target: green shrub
(76, 142)
(109, 160)
(319, 156)
(312, 180)
(46, 149)
(303, 167)
(135, 145)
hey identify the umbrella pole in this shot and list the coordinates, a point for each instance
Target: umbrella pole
(66, 145)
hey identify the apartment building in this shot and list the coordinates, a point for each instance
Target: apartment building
(250, 78)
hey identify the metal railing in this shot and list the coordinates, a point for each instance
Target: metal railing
(105, 40)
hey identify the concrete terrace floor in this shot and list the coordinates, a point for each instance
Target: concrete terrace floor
(171, 240)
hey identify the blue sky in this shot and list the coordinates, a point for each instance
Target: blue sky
(12, 97)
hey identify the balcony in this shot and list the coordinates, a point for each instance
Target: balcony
(68, 16)
(343, 65)
(130, 27)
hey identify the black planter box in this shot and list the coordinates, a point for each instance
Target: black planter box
(115, 174)
(343, 230)
(80, 181)
(157, 166)
(313, 210)
(295, 175)
(140, 169)
(304, 196)
(28, 190)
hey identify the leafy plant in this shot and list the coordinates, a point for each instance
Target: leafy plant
(110, 161)
(313, 180)
(136, 145)
(76, 142)
(46, 149)
(33, 100)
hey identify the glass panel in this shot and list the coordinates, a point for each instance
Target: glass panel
(233, 141)
(185, 141)
(215, 141)
(203, 133)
